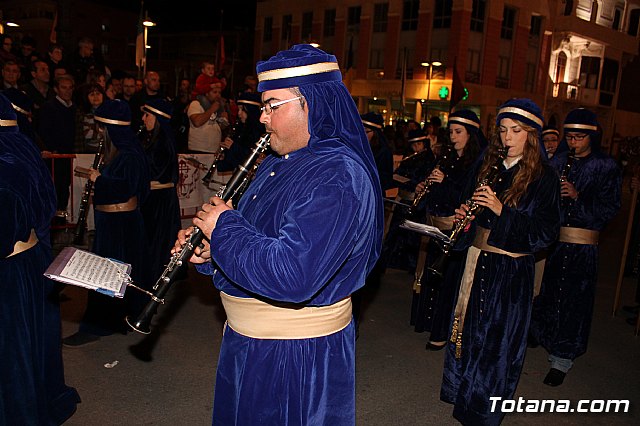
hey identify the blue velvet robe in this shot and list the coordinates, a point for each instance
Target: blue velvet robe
(161, 209)
(306, 231)
(494, 338)
(563, 310)
(119, 236)
(436, 300)
(32, 385)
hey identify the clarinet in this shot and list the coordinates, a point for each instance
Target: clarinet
(231, 191)
(567, 167)
(217, 157)
(427, 183)
(83, 211)
(489, 179)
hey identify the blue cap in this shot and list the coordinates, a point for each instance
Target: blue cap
(372, 121)
(161, 108)
(301, 65)
(523, 110)
(581, 120)
(416, 135)
(114, 112)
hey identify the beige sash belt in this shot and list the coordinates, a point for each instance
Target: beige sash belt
(260, 320)
(578, 235)
(21, 246)
(479, 244)
(130, 205)
(157, 185)
(443, 223)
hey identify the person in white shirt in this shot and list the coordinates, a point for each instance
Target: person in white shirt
(206, 118)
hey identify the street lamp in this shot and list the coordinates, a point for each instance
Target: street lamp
(147, 23)
(430, 65)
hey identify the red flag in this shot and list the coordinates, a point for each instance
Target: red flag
(457, 88)
(220, 56)
(53, 36)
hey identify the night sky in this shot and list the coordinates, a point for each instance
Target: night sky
(195, 15)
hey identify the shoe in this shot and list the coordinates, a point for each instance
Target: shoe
(631, 309)
(554, 377)
(432, 346)
(632, 320)
(79, 338)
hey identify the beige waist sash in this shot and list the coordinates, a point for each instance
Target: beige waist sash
(157, 185)
(21, 246)
(260, 320)
(578, 235)
(130, 205)
(443, 223)
(479, 244)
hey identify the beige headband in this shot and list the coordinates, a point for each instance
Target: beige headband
(523, 113)
(298, 71)
(156, 111)
(110, 121)
(581, 127)
(464, 121)
(368, 123)
(418, 139)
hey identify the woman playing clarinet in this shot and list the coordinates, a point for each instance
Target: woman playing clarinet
(443, 189)
(517, 216)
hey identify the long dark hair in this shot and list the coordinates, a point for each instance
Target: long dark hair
(530, 166)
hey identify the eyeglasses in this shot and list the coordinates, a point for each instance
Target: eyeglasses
(577, 137)
(268, 108)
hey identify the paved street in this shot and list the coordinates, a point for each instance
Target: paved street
(398, 382)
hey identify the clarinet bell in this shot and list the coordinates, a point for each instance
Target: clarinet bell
(438, 266)
(139, 325)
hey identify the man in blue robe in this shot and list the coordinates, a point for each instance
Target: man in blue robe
(591, 186)
(304, 237)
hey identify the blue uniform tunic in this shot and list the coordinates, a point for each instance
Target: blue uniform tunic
(121, 236)
(494, 337)
(563, 310)
(32, 386)
(307, 231)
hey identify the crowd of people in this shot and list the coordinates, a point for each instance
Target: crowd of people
(310, 230)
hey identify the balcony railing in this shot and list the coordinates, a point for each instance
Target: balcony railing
(565, 91)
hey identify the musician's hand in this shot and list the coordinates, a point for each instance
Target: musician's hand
(207, 218)
(461, 213)
(93, 174)
(226, 143)
(419, 187)
(635, 183)
(200, 254)
(436, 176)
(568, 190)
(485, 197)
(46, 154)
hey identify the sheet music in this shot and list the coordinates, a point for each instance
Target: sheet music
(89, 270)
(424, 229)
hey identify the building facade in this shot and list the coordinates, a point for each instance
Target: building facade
(399, 57)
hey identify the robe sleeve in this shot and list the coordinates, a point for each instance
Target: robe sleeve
(316, 236)
(120, 184)
(534, 226)
(597, 206)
